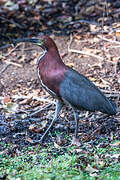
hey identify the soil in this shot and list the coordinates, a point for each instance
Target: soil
(18, 76)
(24, 80)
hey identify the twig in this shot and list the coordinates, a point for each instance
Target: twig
(112, 95)
(114, 47)
(85, 53)
(16, 97)
(17, 25)
(12, 22)
(110, 92)
(15, 64)
(109, 40)
(82, 52)
(81, 21)
(4, 69)
(40, 110)
(25, 120)
(5, 55)
(19, 133)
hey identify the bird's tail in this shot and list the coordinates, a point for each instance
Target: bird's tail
(109, 108)
(113, 109)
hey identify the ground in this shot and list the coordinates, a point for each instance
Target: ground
(24, 80)
(91, 47)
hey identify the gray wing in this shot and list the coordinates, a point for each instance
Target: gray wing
(83, 94)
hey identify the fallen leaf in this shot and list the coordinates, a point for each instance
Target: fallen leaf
(118, 34)
(6, 100)
(36, 129)
(76, 142)
(90, 169)
(56, 145)
(78, 37)
(60, 140)
(28, 139)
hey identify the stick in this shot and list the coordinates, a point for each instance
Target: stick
(111, 47)
(109, 40)
(16, 97)
(81, 21)
(4, 69)
(110, 92)
(38, 111)
(82, 52)
(15, 64)
(12, 22)
(12, 50)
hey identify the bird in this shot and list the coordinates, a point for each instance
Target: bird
(67, 85)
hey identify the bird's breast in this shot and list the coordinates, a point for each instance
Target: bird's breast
(45, 86)
(51, 77)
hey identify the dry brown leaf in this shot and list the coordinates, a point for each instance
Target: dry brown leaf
(60, 140)
(28, 139)
(6, 100)
(78, 37)
(36, 129)
(117, 34)
(76, 142)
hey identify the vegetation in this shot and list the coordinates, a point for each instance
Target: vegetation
(86, 162)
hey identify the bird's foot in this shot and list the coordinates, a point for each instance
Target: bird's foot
(76, 142)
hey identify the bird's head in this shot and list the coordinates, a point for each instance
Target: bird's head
(45, 42)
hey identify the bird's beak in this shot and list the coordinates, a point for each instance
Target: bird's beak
(38, 42)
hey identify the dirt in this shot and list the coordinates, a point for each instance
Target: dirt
(15, 76)
(24, 80)
(18, 75)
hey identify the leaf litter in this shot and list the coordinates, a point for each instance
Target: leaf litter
(26, 109)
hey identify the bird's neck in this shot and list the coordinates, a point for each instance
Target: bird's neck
(49, 55)
(41, 56)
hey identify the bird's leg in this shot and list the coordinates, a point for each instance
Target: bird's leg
(76, 116)
(59, 106)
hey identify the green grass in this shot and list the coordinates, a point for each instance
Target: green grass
(72, 163)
